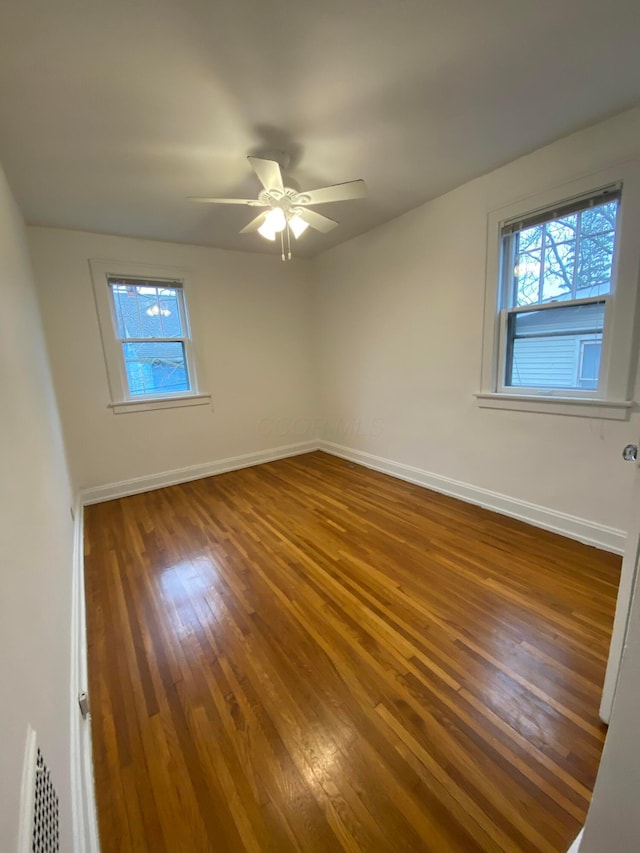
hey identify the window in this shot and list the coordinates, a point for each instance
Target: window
(146, 338)
(560, 298)
(544, 347)
(151, 322)
(557, 272)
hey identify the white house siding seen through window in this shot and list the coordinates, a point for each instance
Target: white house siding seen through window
(557, 275)
(546, 346)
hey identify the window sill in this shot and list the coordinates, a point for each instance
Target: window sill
(612, 410)
(150, 405)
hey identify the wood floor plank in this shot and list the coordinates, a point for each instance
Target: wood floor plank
(311, 656)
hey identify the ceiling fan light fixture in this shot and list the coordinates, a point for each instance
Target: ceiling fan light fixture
(298, 225)
(276, 220)
(266, 231)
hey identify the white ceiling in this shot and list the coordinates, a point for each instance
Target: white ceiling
(113, 111)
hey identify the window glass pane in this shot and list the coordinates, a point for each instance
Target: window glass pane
(147, 312)
(595, 259)
(564, 258)
(562, 230)
(599, 219)
(156, 367)
(590, 363)
(527, 276)
(531, 238)
(557, 278)
(170, 312)
(545, 348)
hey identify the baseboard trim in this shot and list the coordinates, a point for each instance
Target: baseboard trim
(83, 803)
(581, 529)
(124, 488)
(575, 847)
(589, 532)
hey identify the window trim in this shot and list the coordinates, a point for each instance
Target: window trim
(121, 400)
(618, 339)
(184, 340)
(151, 405)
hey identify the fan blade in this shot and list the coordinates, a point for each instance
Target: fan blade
(268, 172)
(254, 224)
(252, 202)
(316, 220)
(337, 192)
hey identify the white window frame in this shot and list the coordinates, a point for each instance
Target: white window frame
(121, 399)
(613, 399)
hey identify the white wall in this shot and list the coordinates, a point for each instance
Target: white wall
(251, 322)
(400, 314)
(613, 821)
(36, 535)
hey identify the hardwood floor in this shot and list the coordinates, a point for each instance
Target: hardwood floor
(308, 655)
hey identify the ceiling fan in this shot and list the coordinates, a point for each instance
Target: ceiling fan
(287, 210)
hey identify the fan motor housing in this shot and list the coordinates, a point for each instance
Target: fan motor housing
(278, 198)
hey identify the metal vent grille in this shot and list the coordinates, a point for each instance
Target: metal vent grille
(46, 829)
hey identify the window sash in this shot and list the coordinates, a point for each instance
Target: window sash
(506, 340)
(157, 393)
(559, 303)
(157, 283)
(509, 246)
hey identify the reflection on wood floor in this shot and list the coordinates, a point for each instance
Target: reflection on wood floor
(312, 656)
